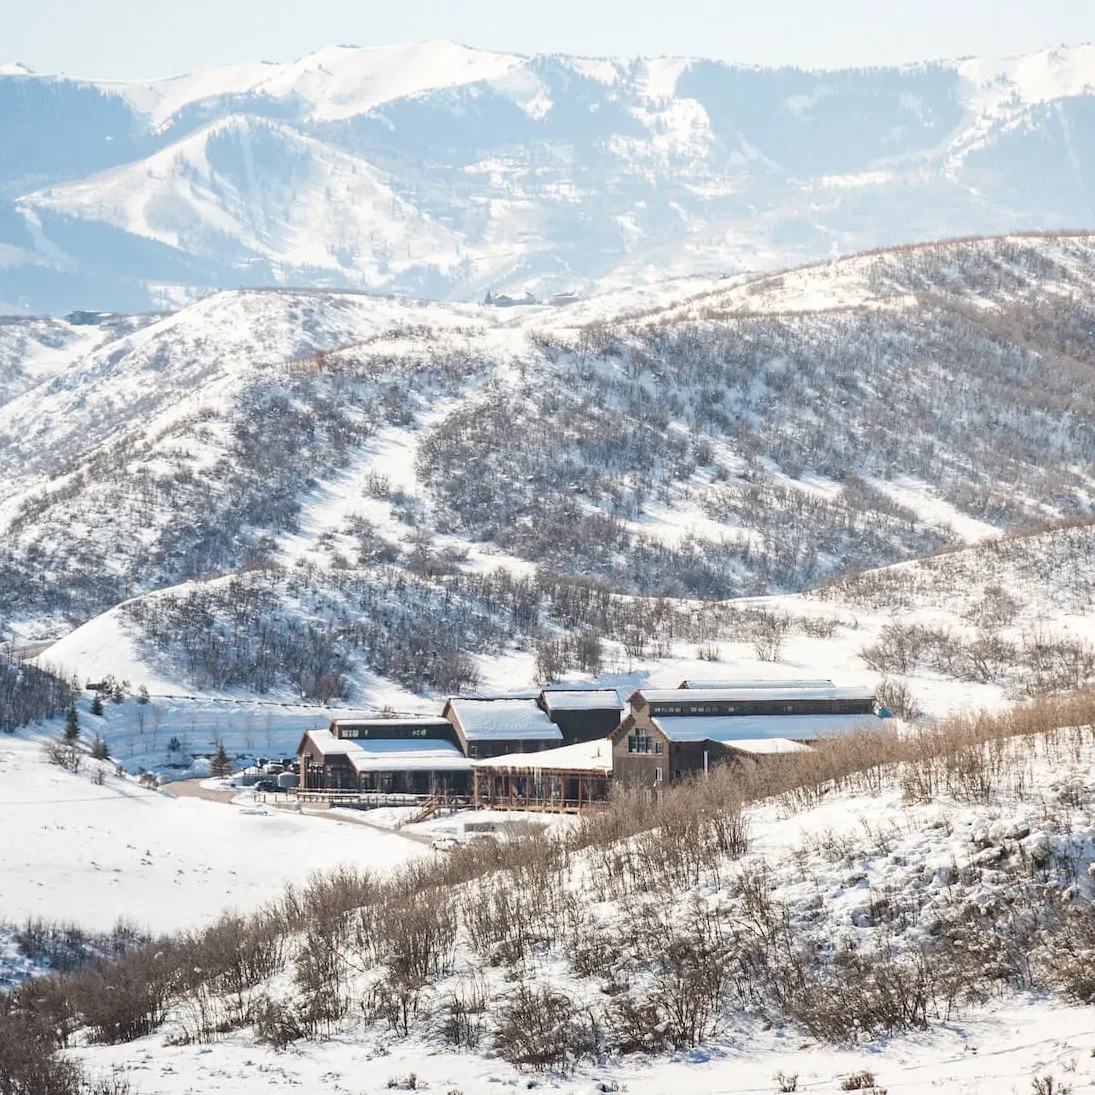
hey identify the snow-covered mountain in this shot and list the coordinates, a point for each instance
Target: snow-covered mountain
(438, 170)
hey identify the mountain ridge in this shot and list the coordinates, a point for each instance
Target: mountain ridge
(546, 173)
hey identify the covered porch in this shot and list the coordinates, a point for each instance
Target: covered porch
(566, 780)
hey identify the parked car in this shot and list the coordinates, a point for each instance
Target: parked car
(266, 785)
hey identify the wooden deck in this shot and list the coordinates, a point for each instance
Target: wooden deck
(374, 800)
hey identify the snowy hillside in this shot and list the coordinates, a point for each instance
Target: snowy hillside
(368, 500)
(443, 171)
(888, 916)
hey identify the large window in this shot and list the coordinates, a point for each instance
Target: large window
(638, 742)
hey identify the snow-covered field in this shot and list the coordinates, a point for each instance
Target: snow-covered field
(827, 864)
(999, 1053)
(77, 851)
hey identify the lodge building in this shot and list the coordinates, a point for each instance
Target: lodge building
(673, 734)
(562, 749)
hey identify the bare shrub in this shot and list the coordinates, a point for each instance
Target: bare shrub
(276, 1023)
(899, 648)
(124, 999)
(463, 1014)
(768, 637)
(898, 697)
(320, 976)
(882, 994)
(541, 1028)
(1047, 1085)
(863, 1080)
(1069, 964)
(63, 754)
(399, 1001)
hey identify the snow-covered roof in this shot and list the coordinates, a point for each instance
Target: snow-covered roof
(768, 746)
(486, 720)
(420, 754)
(581, 699)
(327, 744)
(734, 728)
(745, 693)
(393, 754)
(746, 682)
(585, 756)
(432, 721)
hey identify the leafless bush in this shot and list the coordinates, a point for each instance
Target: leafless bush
(64, 755)
(399, 1001)
(899, 648)
(897, 696)
(464, 1011)
(540, 1027)
(276, 1023)
(768, 638)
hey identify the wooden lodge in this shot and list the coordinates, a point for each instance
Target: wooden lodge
(561, 749)
(674, 734)
(399, 756)
(564, 780)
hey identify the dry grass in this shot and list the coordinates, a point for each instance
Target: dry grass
(666, 967)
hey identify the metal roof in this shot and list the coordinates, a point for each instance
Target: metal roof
(746, 693)
(585, 756)
(731, 728)
(746, 682)
(503, 720)
(581, 699)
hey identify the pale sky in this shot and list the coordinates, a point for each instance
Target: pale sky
(136, 39)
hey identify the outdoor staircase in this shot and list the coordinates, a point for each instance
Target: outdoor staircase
(429, 808)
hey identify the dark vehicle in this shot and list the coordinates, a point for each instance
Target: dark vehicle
(267, 785)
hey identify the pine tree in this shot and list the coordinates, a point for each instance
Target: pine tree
(99, 750)
(72, 724)
(97, 704)
(142, 695)
(221, 764)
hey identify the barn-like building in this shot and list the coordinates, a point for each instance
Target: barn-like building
(419, 756)
(672, 734)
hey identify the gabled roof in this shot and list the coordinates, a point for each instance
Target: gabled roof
(392, 754)
(581, 699)
(502, 720)
(585, 756)
(402, 721)
(731, 728)
(376, 727)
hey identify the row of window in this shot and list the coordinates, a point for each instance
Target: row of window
(800, 707)
(384, 731)
(638, 742)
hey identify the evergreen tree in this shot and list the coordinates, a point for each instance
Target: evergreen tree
(97, 704)
(142, 695)
(99, 750)
(72, 724)
(221, 764)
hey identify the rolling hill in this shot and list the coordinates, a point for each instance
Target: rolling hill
(314, 492)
